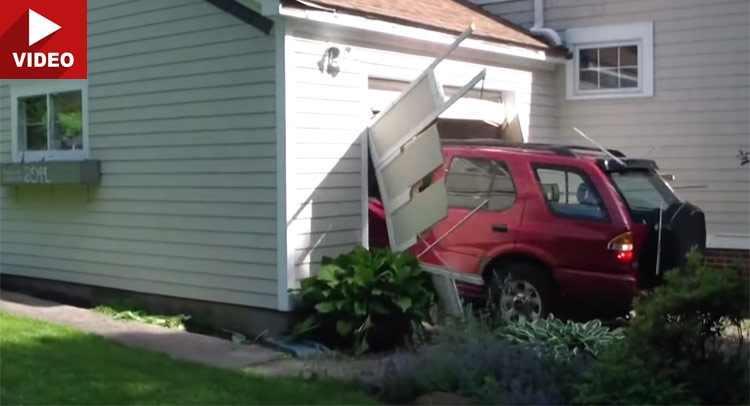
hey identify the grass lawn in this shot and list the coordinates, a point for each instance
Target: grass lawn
(42, 363)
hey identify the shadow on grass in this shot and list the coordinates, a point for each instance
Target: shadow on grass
(47, 364)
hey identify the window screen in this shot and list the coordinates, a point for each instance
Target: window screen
(472, 180)
(570, 193)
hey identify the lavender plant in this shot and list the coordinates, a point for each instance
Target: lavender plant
(480, 365)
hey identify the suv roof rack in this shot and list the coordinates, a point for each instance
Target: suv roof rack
(559, 149)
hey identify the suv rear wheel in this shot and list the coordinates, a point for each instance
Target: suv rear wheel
(519, 291)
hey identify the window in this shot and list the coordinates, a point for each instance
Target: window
(472, 180)
(49, 121)
(570, 193)
(610, 61)
(608, 68)
(643, 190)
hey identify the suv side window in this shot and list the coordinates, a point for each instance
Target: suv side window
(471, 180)
(570, 193)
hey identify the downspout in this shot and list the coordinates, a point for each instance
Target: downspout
(539, 27)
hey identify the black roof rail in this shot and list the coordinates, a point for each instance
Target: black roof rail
(559, 149)
(614, 152)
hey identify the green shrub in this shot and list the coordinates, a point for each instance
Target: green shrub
(563, 339)
(619, 378)
(368, 299)
(678, 342)
(683, 325)
(684, 319)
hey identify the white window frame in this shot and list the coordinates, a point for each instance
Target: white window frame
(638, 34)
(39, 89)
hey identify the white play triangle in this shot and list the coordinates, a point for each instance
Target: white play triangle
(39, 27)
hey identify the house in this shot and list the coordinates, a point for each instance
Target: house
(668, 80)
(219, 152)
(214, 155)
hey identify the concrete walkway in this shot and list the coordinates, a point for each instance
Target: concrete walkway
(187, 346)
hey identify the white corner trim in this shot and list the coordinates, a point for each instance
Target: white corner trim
(283, 264)
(641, 34)
(728, 241)
(42, 88)
(364, 147)
(290, 160)
(365, 188)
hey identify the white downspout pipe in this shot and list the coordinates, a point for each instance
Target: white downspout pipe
(539, 27)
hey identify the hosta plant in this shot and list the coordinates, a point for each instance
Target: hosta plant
(563, 339)
(365, 299)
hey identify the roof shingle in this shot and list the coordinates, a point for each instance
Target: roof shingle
(451, 16)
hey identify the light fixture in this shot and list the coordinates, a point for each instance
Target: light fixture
(328, 62)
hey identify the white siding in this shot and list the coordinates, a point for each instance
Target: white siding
(699, 116)
(520, 12)
(182, 117)
(327, 114)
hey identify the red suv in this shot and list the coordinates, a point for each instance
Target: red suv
(561, 222)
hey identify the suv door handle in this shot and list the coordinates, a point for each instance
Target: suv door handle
(500, 228)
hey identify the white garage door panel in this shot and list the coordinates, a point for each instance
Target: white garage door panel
(424, 210)
(421, 156)
(409, 111)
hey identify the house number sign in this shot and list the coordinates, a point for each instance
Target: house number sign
(51, 173)
(35, 174)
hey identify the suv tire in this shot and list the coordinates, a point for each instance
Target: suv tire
(528, 295)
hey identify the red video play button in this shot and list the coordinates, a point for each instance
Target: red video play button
(43, 39)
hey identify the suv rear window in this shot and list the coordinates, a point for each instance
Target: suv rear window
(643, 190)
(471, 180)
(570, 193)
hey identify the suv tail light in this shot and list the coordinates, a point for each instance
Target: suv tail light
(622, 246)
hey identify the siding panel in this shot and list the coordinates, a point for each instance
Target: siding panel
(182, 117)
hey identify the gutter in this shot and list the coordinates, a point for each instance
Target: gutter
(539, 27)
(311, 6)
(386, 28)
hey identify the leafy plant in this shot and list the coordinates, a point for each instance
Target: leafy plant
(744, 157)
(678, 341)
(686, 318)
(618, 378)
(175, 322)
(563, 339)
(368, 298)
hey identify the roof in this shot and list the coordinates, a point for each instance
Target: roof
(450, 16)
